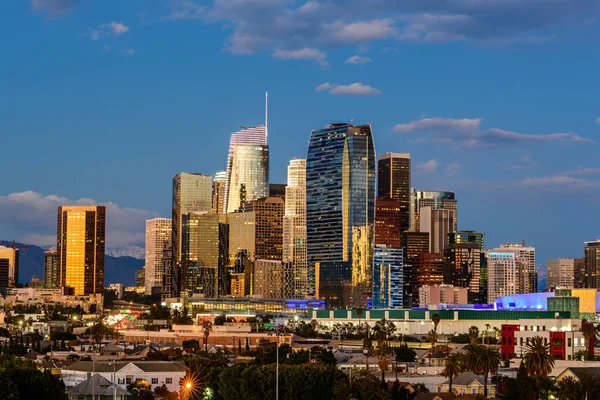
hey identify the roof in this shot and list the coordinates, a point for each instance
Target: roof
(438, 354)
(112, 347)
(146, 366)
(577, 371)
(99, 386)
(435, 396)
(465, 379)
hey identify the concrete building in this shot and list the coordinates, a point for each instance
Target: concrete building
(273, 279)
(159, 232)
(12, 257)
(511, 270)
(438, 223)
(592, 264)
(393, 182)
(560, 273)
(435, 200)
(80, 247)
(442, 294)
(51, 270)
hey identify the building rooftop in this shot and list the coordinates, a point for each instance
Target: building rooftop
(99, 386)
(146, 366)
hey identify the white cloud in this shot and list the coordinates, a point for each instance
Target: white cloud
(324, 86)
(355, 89)
(111, 29)
(356, 59)
(551, 180)
(303, 54)
(361, 32)
(584, 171)
(598, 120)
(452, 169)
(34, 215)
(467, 133)
(428, 167)
(53, 8)
(184, 10)
(128, 51)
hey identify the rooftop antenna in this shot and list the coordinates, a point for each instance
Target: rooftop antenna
(267, 114)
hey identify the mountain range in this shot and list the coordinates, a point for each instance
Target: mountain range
(119, 265)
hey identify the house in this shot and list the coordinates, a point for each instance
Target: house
(435, 396)
(112, 349)
(157, 373)
(98, 388)
(466, 383)
(575, 372)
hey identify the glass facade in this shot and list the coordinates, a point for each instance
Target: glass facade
(159, 232)
(592, 264)
(393, 182)
(268, 228)
(334, 284)
(340, 205)
(388, 228)
(427, 270)
(12, 255)
(51, 273)
(218, 192)
(434, 199)
(80, 248)
(247, 168)
(387, 278)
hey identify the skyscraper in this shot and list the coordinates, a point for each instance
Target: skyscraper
(159, 232)
(592, 264)
(294, 226)
(393, 182)
(413, 244)
(438, 223)
(560, 273)
(579, 278)
(427, 270)
(204, 249)
(466, 263)
(80, 248)
(218, 199)
(340, 205)
(269, 213)
(191, 192)
(51, 270)
(526, 262)
(12, 255)
(511, 270)
(387, 277)
(388, 227)
(247, 166)
(435, 200)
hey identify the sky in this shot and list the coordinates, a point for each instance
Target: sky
(104, 101)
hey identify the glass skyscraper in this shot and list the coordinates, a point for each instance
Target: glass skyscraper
(247, 176)
(340, 205)
(393, 182)
(387, 278)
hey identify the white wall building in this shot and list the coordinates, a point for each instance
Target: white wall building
(159, 232)
(124, 373)
(561, 272)
(511, 270)
(443, 294)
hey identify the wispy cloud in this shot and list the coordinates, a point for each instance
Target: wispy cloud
(356, 59)
(551, 180)
(53, 8)
(181, 10)
(303, 54)
(452, 169)
(428, 167)
(324, 86)
(128, 52)
(467, 133)
(355, 89)
(111, 29)
(598, 120)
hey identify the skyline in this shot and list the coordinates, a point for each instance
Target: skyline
(148, 114)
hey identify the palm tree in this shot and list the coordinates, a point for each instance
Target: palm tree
(207, 329)
(367, 346)
(432, 338)
(538, 361)
(473, 334)
(452, 369)
(482, 360)
(435, 318)
(383, 329)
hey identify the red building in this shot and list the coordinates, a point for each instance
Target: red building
(507, 343)
(388, 229)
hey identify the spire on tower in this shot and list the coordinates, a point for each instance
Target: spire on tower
(267, 114)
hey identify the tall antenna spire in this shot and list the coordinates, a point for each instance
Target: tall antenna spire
(267, 114)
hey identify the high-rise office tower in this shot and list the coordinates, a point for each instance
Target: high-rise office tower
(269, 213)
(592, 264)
(204, 249)
(435, 200)
(340, 205)
(526, 263)
(465, 263)
(277, 190)
(388, 227)
(427, 270)
(51, 271)
(393, 182)
(560, 273)
(247, 166)
(413, 244)
(273, 279)
(438, 223)
(294, 226)
(467, 237)
(167, 267)
(140, 277)
(218, 199)
(4, 267)
(12, 255)
(579, 274)
(387, 277)
(503, 274)
(191, 193)
(159, 231)
(80, 247)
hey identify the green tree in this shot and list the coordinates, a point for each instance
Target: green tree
(365, 386)
(435, 318)
(452, 369)
(568, 388)
(164, 392)
(405, 353)
(538, 361)
(473, 334)
(206, 330)
(482, 360)
(20, 379)
(140, 390)
(383, 330)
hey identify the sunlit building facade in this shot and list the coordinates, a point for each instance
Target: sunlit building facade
(427, 270)
(561, 273)
(159, 232)
(388, 218)
(393, 182)
(340, 203)
(435, 200)
(81, 232)
(12, 260)
(247, 175)
(294, 227)
(503, 274)
(218, 193)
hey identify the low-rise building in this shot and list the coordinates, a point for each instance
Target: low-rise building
(156, 373)
(467, 383)
(442, 294)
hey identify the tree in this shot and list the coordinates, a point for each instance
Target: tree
(365, 386)
(165, 393)
(452, 369)
(206, 330)
(435, 318)
(20, 379)
(405, 353)
(140, 390)
(383, 330)
(568, 388)
(432, 338)
(473, 334)
(537, 360)
(482, 360)
(367, 348)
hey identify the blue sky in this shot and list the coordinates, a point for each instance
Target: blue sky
(494, 99)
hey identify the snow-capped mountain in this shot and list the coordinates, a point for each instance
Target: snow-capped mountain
(129, 251)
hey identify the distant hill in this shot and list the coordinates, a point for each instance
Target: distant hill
(116, 269)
